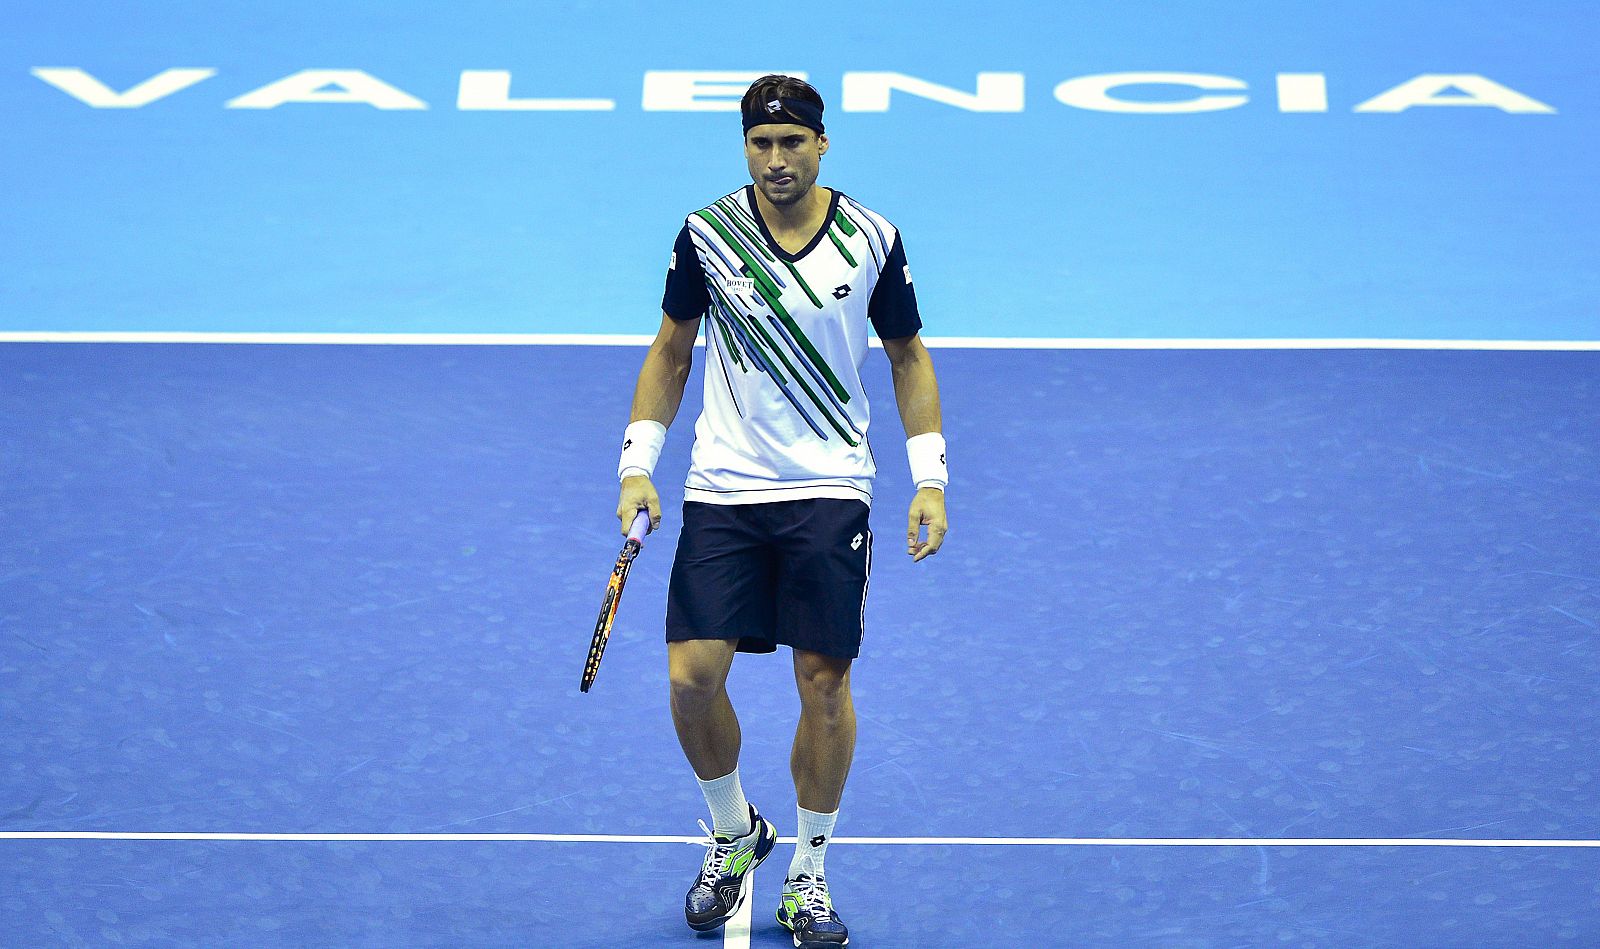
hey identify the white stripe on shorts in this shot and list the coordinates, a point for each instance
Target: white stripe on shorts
(865, 583)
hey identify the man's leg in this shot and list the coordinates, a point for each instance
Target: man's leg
(824, 744)
(707, 727)
(721, 580)
(708, 730)
(825, 741)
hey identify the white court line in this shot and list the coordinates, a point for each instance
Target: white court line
(736, 931)
(350, 339)
(877, 841)
(991, 342)
(934, 342)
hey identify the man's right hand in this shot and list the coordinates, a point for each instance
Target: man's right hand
(637, 493)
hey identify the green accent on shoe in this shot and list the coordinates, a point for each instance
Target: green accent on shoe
(793, 903)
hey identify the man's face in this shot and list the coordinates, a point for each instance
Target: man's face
(784, 160)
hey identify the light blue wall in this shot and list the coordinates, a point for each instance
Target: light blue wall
(185, 215)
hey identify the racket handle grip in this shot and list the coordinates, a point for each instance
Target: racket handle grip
(640, 527)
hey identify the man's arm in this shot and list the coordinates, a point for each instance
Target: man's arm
(656, 397)
(916, 392)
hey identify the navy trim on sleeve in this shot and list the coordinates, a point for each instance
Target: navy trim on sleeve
(893, 307)
(685, 297)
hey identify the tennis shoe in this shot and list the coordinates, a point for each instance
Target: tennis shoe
(719, 890)
(807, 911)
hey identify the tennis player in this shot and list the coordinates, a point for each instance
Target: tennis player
(776, 548)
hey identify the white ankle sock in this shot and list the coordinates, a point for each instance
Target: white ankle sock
(730, 812)
(811, 842)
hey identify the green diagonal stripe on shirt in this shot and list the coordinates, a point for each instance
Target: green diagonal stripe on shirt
(774, 299)
(763, 280)
(803, 285)
(729, 344)
(823, 407)
(837, 406)
(772, 348)
(811, 351)
(840, 245)
(719, 320)
(740, 226)
(850, 227)
(733, 315)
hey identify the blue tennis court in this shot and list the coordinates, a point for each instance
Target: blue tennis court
(346, 589)
(1269, 347)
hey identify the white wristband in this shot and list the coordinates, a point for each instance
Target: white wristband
(926, 453)
(641, 446)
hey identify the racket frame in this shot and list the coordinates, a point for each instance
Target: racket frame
(613, 599)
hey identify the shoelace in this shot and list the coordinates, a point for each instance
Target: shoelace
(712, 868)
(813, 893)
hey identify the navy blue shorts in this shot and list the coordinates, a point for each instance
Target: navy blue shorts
(791, 573)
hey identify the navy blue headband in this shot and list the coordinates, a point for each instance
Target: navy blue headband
(784, 112)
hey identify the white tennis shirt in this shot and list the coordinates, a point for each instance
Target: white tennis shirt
(785, 413)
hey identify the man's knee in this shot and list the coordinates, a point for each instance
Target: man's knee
(694, 689)
(824, 683)
(697, 673)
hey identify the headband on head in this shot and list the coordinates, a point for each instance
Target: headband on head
(782, 111)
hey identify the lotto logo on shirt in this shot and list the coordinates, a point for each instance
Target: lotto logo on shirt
(907, 270)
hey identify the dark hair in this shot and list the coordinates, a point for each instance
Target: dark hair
(775, 86)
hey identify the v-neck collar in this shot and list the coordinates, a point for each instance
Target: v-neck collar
(766, 235)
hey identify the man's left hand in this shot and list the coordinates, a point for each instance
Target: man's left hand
(927, 508)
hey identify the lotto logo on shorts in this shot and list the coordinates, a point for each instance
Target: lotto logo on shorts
(673, 263)
(855, 542)
(908, 273)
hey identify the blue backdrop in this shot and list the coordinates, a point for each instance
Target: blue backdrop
(184, 214)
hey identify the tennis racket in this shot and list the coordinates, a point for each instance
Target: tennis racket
(608, 609)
